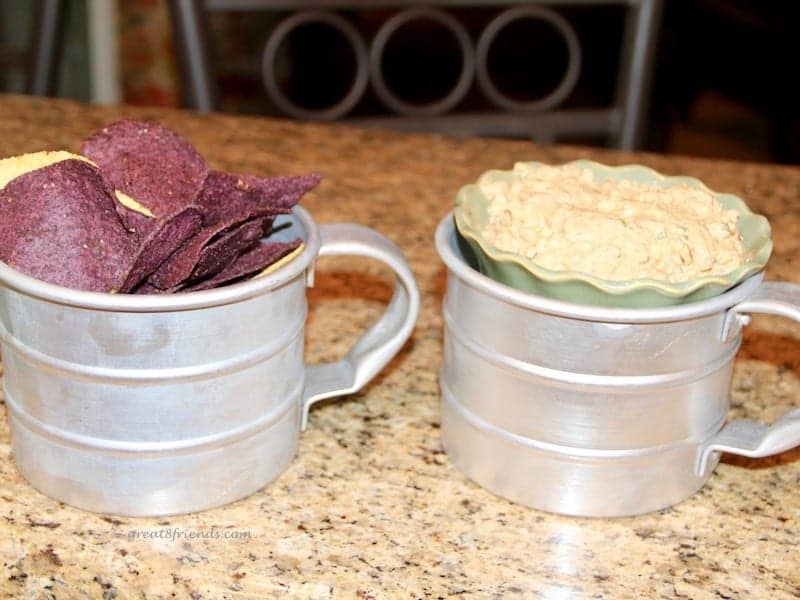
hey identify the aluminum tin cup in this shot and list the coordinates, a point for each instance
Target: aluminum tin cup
(164, 404)
(593, 411)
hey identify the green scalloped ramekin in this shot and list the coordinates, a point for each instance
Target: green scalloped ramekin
(517, 271)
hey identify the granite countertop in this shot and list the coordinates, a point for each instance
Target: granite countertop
(371, 507)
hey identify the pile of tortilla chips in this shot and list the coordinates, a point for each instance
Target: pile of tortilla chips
(139, 211)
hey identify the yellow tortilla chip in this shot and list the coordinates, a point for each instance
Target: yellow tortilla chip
(129, 202)
(278, 264)
(14, 166)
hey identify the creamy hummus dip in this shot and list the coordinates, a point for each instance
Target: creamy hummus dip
(565, 219)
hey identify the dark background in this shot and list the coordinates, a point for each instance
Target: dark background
(725, 80)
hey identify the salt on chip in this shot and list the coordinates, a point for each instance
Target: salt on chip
(150, 163)
(59, 224)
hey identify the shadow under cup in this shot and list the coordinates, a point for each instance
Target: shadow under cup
(164, 404)
(594, 411)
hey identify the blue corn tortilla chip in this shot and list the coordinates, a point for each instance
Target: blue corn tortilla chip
(248, 263)
(226, 200)
(59, 224)
(182, 263)
(178, 226)
(220, 253)
(161, 243)
(150, 163)
(231, 196)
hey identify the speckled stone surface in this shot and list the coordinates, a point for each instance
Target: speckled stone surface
(371, 507)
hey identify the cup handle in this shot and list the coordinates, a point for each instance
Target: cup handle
(743, 436)
(376, 347)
